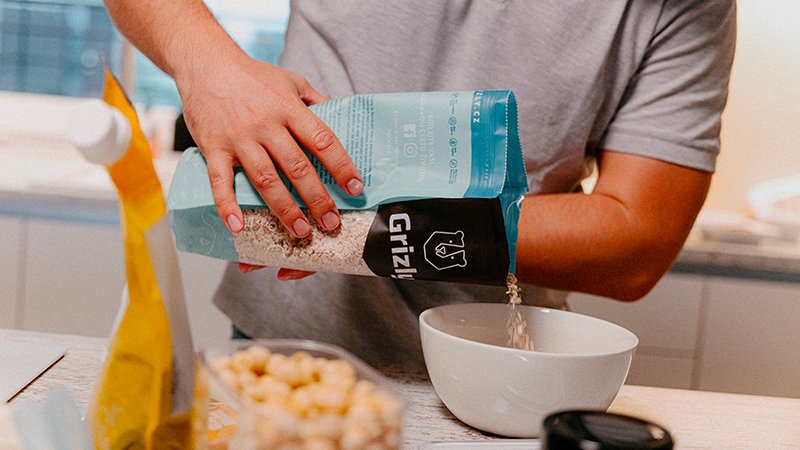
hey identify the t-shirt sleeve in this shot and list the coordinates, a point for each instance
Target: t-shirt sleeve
(672, 105)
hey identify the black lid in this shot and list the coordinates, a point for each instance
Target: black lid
(598, 430)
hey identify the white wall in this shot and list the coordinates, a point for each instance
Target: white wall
(761, 124)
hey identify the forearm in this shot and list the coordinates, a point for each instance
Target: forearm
(579, 242)
(616, 242)
(181, 35)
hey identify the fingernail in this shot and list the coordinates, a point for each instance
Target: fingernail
(301, 227)
(330, 220)
(234, 224)
(355, 186)
(286, 276)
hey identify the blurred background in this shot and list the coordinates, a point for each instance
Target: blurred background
(724, 318)
(58, 47)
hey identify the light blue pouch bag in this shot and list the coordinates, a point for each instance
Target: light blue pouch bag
(444, 179)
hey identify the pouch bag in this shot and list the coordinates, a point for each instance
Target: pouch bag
(444, 180)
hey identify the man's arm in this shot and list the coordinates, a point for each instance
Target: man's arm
(241, 112)
(617, 241)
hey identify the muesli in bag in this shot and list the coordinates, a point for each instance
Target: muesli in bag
(443, 177)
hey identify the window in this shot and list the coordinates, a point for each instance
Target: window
(53, 47)
(257, 26)
(58, 47)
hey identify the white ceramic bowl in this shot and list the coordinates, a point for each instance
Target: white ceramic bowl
(580, 363)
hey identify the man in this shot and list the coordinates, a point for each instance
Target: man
(636, 85)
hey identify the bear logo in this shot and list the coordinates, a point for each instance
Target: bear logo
(445, 250)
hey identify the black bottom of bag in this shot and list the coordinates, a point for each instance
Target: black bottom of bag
(457, 240)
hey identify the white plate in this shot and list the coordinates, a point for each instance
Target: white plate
(513, 444)
(775, 202)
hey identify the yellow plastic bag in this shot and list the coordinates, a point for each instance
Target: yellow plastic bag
(145, 395)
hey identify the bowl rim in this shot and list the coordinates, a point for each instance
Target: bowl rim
(428, 312)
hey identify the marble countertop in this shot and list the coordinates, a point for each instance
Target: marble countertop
(48, 178)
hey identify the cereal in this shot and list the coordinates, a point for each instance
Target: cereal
(305, 402)
(264, 241)
(518, 336)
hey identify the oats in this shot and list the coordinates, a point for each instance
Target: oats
(518, 336)
(264, 241)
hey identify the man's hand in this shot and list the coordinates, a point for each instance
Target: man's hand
(241, 112)
(284, 274)
(249, 113)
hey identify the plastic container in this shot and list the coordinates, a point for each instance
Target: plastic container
(235, 422)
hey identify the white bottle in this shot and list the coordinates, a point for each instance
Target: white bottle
(101, 132)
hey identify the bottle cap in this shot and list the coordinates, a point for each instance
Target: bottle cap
(99, 131)
(600, 430)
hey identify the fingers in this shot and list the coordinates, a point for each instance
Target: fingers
(292, 274)
(292, 162)
(263, 163)
(264, 176)
(247, 268)
(308, 94)
(318, 139)
(283, 273)
(220, 175)
(261, 131)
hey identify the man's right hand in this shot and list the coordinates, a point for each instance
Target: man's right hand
(250, 113)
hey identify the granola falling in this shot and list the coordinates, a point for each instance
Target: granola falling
(518, 336)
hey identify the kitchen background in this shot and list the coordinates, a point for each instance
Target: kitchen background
(724, 319)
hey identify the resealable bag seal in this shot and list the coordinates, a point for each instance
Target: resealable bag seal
(444, 177)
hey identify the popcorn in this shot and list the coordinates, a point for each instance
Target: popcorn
(305, 402)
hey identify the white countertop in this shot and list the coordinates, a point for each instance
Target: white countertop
(696, 419)
(48, 178)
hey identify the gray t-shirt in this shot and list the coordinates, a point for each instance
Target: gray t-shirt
(643, 77)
